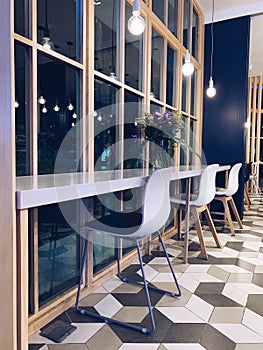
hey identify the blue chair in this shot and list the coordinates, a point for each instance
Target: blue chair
(136, 227)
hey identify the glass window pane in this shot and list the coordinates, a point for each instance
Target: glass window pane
(58, 111)
(184, 93)
(173, 16)
(132, 134)
(106, 38)
(22, 17)
(183, 137)
(171, 76)
(158, 8)
(22, 109)
(58, 251)
(133, 55)
(105, 126)
(60, 30)
(157, 65)
(186, 23)
(193, 93)
(195, 30)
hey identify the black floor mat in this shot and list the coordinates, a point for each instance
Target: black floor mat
(57, 331)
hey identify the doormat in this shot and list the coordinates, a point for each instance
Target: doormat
(57, 331)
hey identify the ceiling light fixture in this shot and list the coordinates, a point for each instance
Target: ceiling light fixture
(188, 67)
(211, 91)
(136, 23)
(97, 2)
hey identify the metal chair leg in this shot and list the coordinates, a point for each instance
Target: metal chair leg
(144, 284)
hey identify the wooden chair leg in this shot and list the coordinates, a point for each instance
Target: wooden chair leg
(212, 227)
(228, 216)
(179, 220)
(246, 195)
(199, 230)
(234, 208)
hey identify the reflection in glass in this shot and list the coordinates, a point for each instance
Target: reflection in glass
(55, 28)
(186, 23)
(105, 126)
(106, 40)
(22, 11)
(157, 65)
(158, 8)
(195, 27)
(171, 76)
(58, 84)
(133, 55)
(173, 16)
(58, 251)
(22, 109)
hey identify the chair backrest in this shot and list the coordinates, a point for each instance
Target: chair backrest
(233, 181)
(156, 207)
(255, 167)
(207, 186)
(248, 170)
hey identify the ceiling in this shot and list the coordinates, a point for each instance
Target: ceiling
(225, 9)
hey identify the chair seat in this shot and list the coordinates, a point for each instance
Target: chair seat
(121, 224)
(221, 191)
(182, 199)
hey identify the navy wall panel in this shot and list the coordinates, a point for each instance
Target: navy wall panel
(225, 114)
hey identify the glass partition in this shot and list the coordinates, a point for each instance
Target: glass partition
(60, 30)
(58, 111)
(173, 16)
(158, 8)
(133, 55)
(195, 33)
(106, 34)
(171, 76)
(22, 12)
(22, 109)
(157, 65)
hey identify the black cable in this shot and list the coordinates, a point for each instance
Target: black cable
(212, 39)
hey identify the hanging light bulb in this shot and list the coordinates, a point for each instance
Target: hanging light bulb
(74, 115)
(97, 2)
(41, 100)
(136, 23)
(46, 41)
(211, 91)
(188, 67)
(44, 110)
(99, 118)
(56, 107)
(16, 104)
(72, 124)
(70, 106)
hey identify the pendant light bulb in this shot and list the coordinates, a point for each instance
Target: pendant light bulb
(70, 106)
(44, 109)
(41, 100)
(16, 104)
(136, 23)
(211, 91)
(74, 115)
(188, 67)
(56, 108)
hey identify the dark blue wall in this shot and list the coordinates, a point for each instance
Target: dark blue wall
(225, 114)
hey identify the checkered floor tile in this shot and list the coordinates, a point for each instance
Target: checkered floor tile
(220, 307)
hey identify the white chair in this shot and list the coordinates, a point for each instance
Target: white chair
(225, 195)
(199, 204)
(135, 227)
(253, 178)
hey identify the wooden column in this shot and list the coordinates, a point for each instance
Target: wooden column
(8, 314)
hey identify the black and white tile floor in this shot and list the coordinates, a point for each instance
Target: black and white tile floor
(221, 307)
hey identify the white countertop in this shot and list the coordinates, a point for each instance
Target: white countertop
(37, 190)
